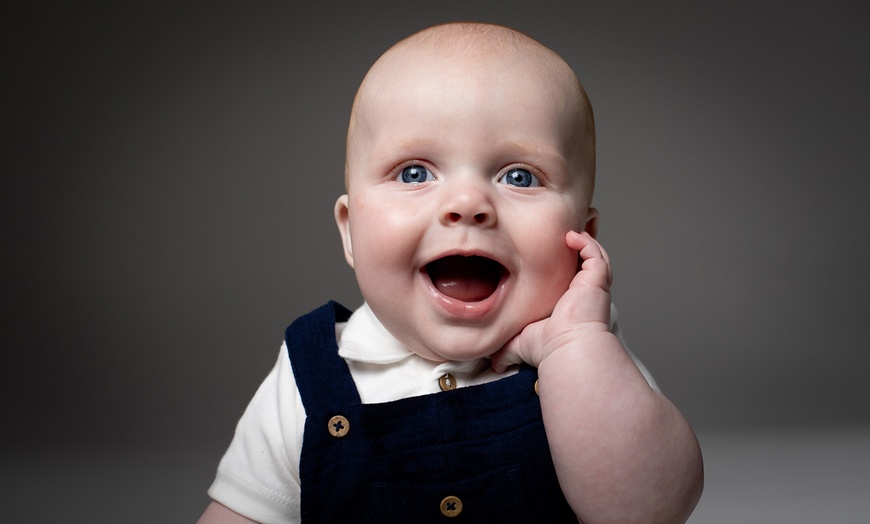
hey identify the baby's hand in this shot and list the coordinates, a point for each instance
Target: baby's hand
(584, 309)
(622, 451)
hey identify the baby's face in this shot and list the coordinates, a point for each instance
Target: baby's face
(464, 175)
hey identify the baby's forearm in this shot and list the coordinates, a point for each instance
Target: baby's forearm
(623, 452)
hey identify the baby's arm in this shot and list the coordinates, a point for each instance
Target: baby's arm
(217, 513)
(623, 453)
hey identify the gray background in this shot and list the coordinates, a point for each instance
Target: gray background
(169, 176)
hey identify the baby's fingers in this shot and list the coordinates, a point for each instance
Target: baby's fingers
(595, 266)
(519, 349)
(505, 358)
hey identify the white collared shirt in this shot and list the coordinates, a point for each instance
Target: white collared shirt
(258, 477)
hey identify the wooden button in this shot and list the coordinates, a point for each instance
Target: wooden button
(537, 392)
(447, 382)
(338, 426)
(451, 506)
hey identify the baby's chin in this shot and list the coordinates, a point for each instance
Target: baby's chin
(449, 353)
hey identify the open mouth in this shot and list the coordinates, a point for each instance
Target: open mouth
(466, 278)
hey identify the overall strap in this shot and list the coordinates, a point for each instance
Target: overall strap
(322, 376)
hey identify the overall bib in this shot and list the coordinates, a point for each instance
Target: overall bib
(477, 454)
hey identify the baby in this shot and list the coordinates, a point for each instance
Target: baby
(484, 377)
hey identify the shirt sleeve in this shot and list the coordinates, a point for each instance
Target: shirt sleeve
(258, 477)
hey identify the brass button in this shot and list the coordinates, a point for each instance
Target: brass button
(451, 506)
(537, 392)
(338, 426)
(447, 382)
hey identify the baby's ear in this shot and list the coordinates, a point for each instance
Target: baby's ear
(342, 220)
(592, 222)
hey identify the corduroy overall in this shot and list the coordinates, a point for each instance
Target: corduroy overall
(475, 454)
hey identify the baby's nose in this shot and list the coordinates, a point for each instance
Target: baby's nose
(468, 204)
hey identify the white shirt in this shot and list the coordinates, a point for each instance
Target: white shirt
(258, 476)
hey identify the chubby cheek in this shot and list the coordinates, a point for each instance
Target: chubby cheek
(549, 264)
(382, 241)
(552, 273)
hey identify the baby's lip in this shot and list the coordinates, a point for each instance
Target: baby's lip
(468, 277)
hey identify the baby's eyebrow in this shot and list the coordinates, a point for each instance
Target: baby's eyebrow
(411, 147)
(536, 153)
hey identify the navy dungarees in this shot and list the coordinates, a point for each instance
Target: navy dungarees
(478, 453)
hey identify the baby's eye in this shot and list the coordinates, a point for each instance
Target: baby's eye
(414, 175)
(520, 178)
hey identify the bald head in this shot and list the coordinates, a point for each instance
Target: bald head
(473, 56)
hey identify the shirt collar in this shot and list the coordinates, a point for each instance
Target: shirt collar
(365, 339)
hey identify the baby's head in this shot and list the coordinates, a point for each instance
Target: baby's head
(470, 155)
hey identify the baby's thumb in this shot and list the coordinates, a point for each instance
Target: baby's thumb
(508, 355)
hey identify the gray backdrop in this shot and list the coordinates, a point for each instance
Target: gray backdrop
(170, 172)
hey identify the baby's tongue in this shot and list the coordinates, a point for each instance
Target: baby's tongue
(470, 279)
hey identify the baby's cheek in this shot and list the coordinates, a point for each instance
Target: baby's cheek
(555, 267)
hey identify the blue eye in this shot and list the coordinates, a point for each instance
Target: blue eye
(519, 178)
(415, 174)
